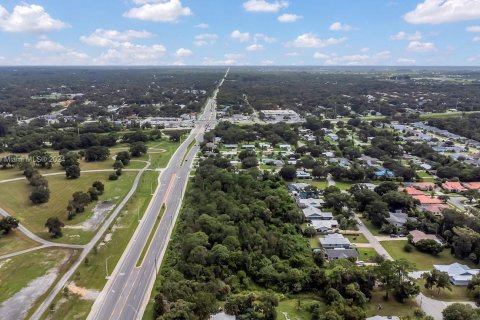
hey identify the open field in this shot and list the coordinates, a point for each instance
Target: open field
(18, 271)
(320, 184)
(458, 293)
(297, 306)
(366, 254)
(390, 307)
(356, 238)
(421, 260)
(15, 241)
(14, 199)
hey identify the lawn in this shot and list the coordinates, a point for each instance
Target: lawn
(14, 199)
(296, 307)
(314, 242)
(374, 230)
(366, 254)
(390, 307)
(320, 184)
(18, 271)
(71, 307)
(343, 185)
(458, 293)
(425, 176)
(421, 260)
(356, 238)
(15, 241)
(159, 158)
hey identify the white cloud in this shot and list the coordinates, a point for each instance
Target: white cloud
(364, 50)
(263, 37)
(473, 29)
(311, 40)
(338, 26)
(113, 38)
(293, 54)
(356, 59)
(264, 6)
(240, 36)
(255, 47)
(28, 18)
(132, 54)
(406, 61)
(228, 59)
(205, 39)
(402, 35)
(476, 39)
(289, 17)
(183, 53)
(444, 11)
(202, 26)
(418, 46)
(47, 45)
(163, 11)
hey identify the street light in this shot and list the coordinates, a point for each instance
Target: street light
(106, 266)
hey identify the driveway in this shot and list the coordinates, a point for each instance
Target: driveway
(372, 239)
(434, 307)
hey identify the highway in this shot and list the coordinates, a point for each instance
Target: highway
(128, 289)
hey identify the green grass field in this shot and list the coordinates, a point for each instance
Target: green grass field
(366, 254)
(421, 260)
(14, 199)
(356, 238)
(374, 230)
(15, 241)
(297, 307)
(320, 184)
(314, 242)
(390, 307)
(425, 176)
(18, 271)
(458, 293)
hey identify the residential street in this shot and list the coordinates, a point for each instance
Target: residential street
(372, 239)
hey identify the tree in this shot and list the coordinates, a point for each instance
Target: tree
(72, 172)
(97, 153)
(79, 202)
(70, 159)
(54, 226)
(429, 246)
(288, 173)
(319, 172)
(41, 158)
(40, 195)
(386, 187)
(437, 278)
(461, 311)
(471, 194)
(394, 277)
(377, 211)
(99, 186)
(175, 136)
(29, 171)
(94, 193)
(249, 162)
(137, 149)
(159, 307)
(8, 224)
(124, 157)
(117, 165)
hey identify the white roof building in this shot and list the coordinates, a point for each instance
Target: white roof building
(460, 274)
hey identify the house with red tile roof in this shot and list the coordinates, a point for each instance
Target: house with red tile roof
(418, 235)
(455, 187)
(424, 186)
(435, 209)
(424, 199)
(413, 192)
(472, 185)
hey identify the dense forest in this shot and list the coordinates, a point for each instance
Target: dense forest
(239, 247)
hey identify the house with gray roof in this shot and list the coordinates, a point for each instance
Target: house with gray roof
(333, 241)
(334, 254)
(459, 274)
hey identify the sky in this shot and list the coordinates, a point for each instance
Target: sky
(240, 32)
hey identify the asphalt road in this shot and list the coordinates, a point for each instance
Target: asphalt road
(372, 239)
(127, 292)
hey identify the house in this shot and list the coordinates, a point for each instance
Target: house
(435, 209)
(383, 318)
(248, 146)
(222, 316)
(303, 175)
(273, 162)
(324, 226)
(285, 147)
(424, 200)
(335, 240)
(472, 185)
(384, 173)
(413, 191)
(329, 154)
(230, 146)
(310, 202)
(368, 186)
(334, 254)
(460, 274)
(418, 235)
(453, 187)
(303, 190)
(264, 145)
(397, 219)
(312, 213)
(424, 186)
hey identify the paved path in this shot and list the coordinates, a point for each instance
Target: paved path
(434, 307)
(388, 238)
(372, 239)
(63, 172)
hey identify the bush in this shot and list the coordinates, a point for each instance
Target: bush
(113, 177)
(408, 247)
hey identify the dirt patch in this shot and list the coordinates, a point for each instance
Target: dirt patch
(83, 293)
(100, 212)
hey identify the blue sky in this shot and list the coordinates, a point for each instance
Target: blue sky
(240, 32)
